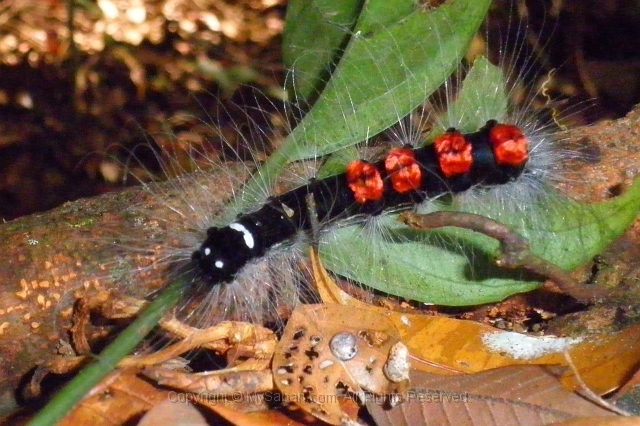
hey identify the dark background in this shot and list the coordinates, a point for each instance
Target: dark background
(73, 117)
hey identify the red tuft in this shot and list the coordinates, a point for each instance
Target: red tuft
(454, 154)
(403, 169)
(365, 181)
(509, 145)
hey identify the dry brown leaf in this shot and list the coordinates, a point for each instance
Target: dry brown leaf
(326, 349)
(124, 396)
(235, 339)
(604, 421)
(605, 362)
(519, 395)
(248, 348)
(121, 397)
(630, 387)
(293, 417)
(170, 413)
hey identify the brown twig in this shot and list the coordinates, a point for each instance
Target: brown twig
(515, 252)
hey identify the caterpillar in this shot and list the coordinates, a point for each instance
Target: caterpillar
(455, 162)
(244, 263)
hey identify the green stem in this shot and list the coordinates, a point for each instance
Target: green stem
(123, 345)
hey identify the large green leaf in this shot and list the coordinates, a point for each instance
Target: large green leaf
(455, 266)
(385, 72)
(397, 55)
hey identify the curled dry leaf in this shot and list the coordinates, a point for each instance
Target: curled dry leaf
(253, 340)
(239, 341)
(328, 349)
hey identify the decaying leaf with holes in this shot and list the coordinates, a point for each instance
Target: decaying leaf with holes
(328, 351)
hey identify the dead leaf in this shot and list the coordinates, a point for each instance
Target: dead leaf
(521, 395)
(329, 349)
(605, 362)
(294, 417)
(214, 384)
(169, 413)
(598, 421)
(121, 397)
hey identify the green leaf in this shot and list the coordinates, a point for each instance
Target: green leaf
(398, 54)
(385, 73)
(337, 163)
(313, 41)
(455, 267)
(483, 96)
(444, 267)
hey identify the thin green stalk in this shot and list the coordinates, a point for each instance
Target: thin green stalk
(62, 403)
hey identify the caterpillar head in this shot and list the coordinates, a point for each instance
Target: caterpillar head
(225, 251)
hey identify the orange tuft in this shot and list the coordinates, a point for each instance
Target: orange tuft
(509, 145)
(454, 154)
(403, 169)
(365, 181)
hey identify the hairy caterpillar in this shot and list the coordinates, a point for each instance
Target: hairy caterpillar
(358, 240)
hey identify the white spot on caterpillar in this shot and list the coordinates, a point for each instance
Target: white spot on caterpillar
(288, 211)
(520, 346)
(219, 264)
(248, 237)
